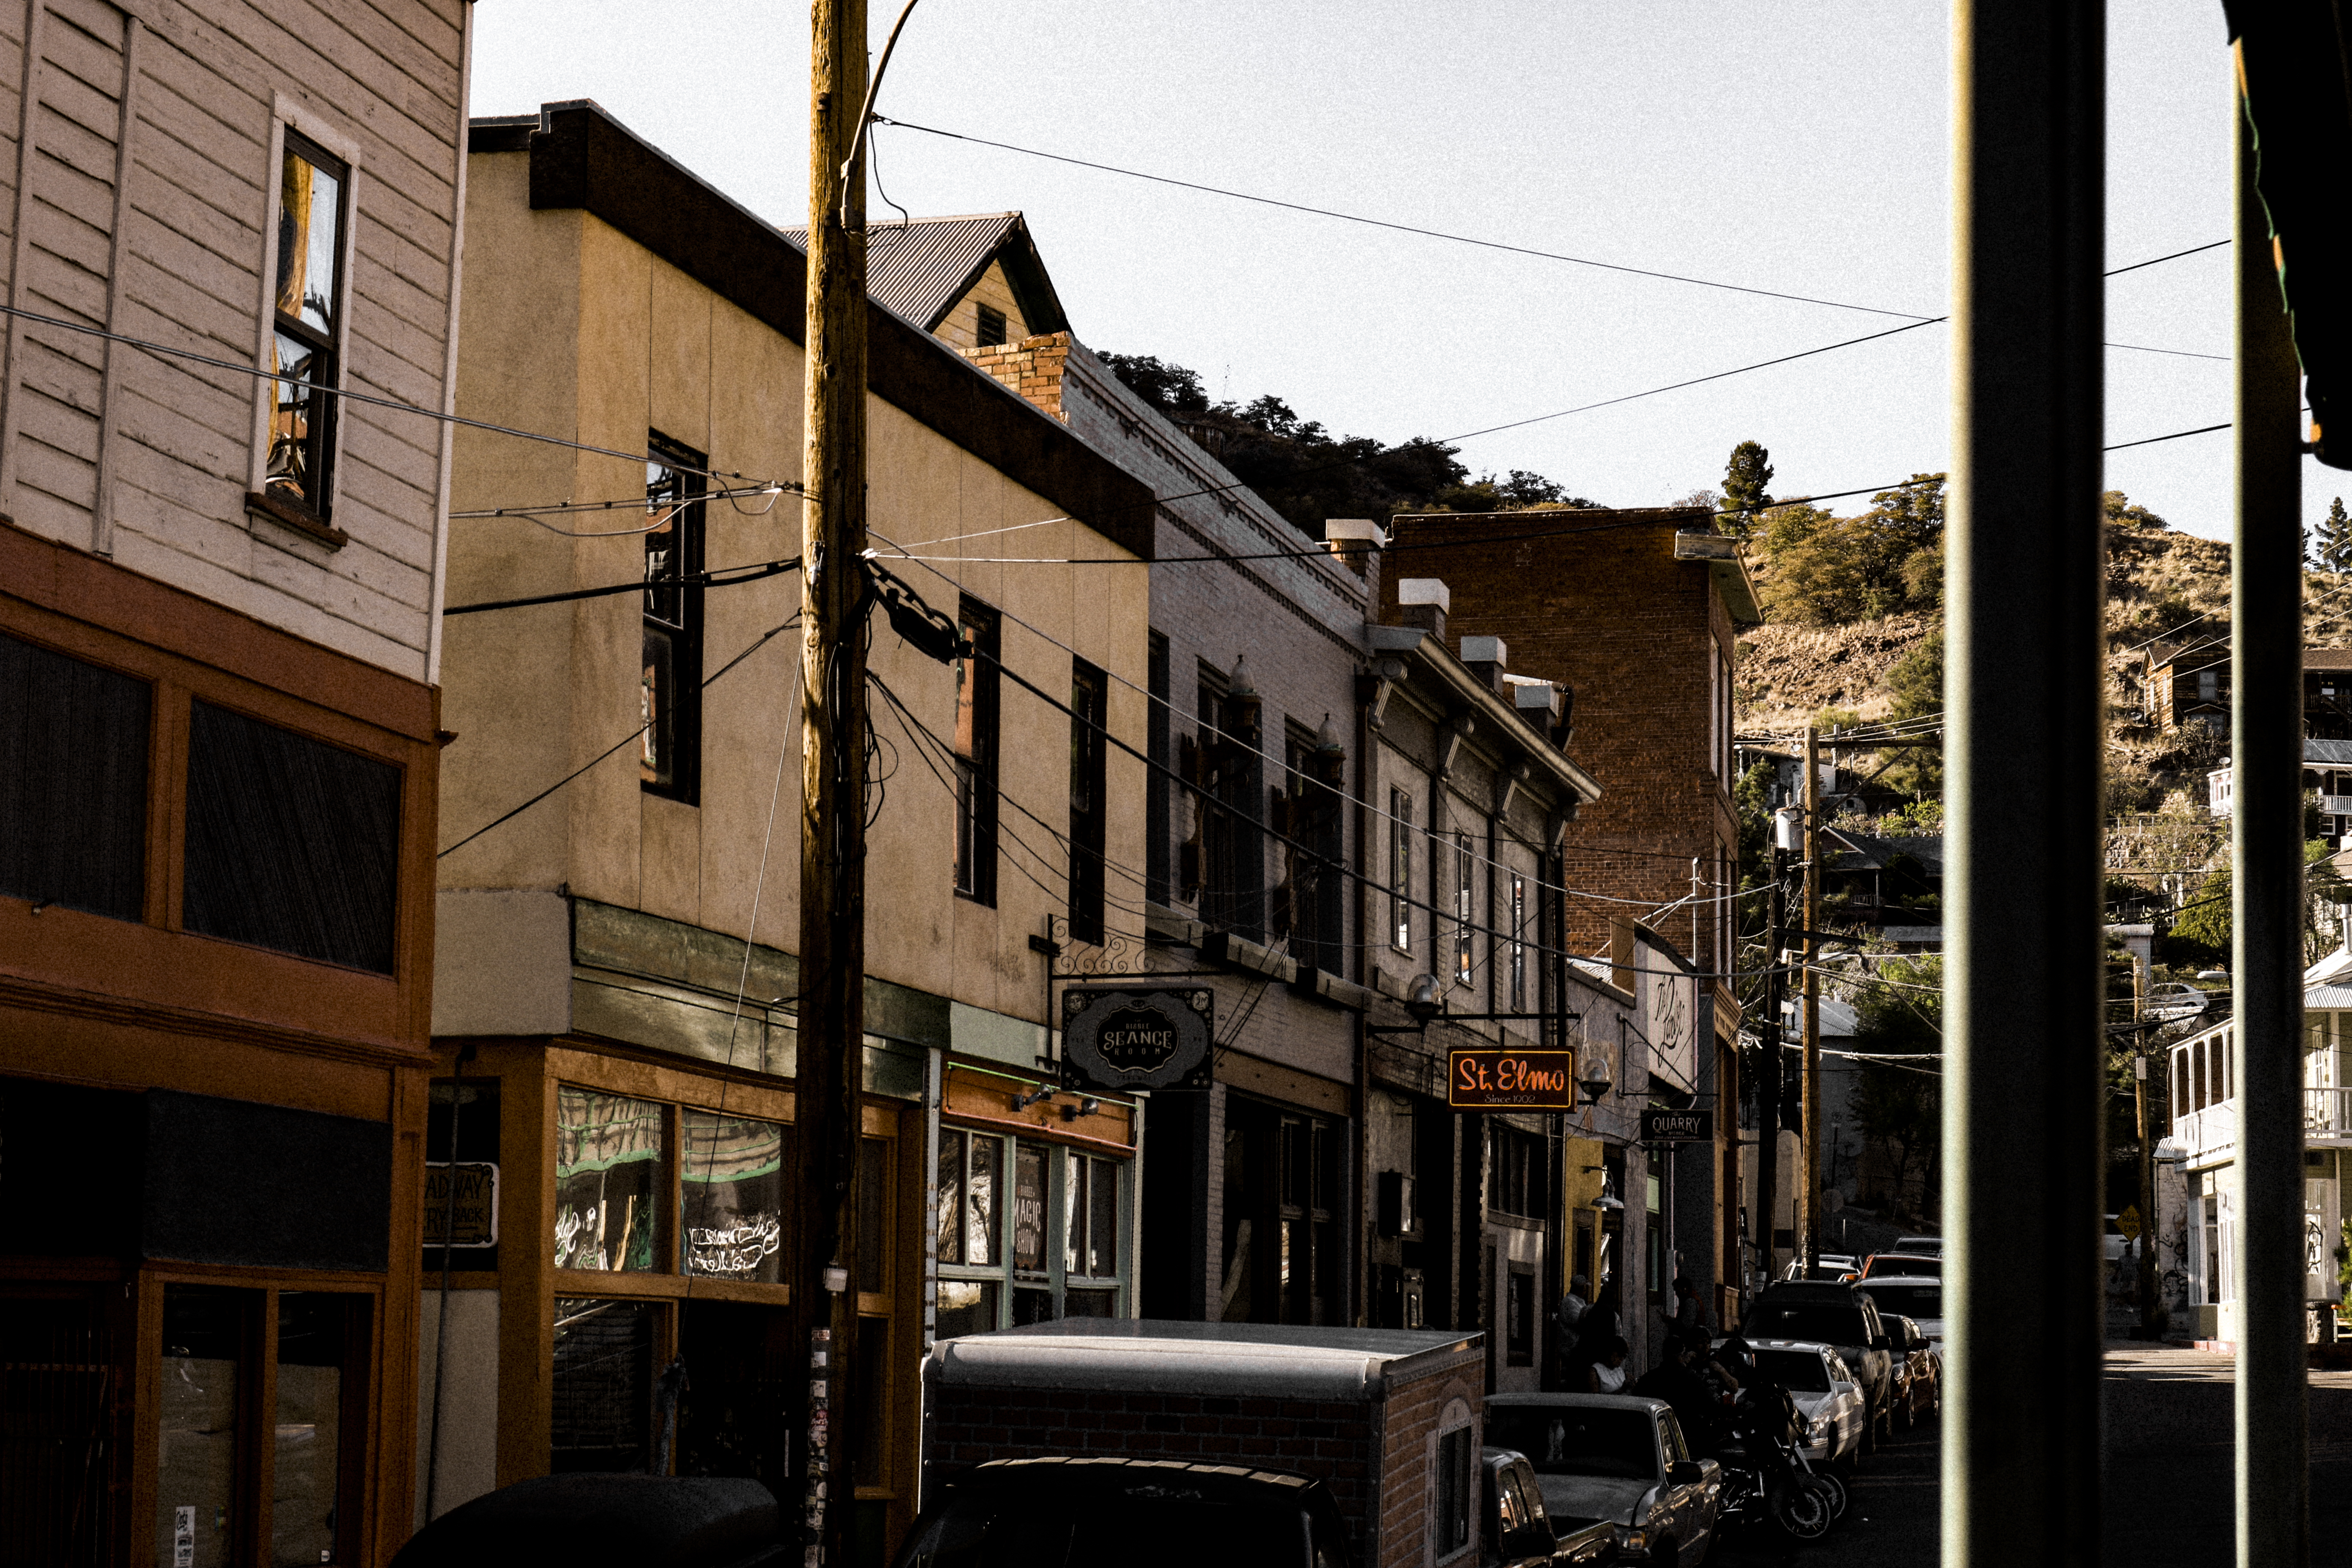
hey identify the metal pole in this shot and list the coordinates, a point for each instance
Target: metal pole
(2025, 706)
(2153, 1319)
(1775, 1072)
(2266, 846)
(831, 1022)
(1810, 1184)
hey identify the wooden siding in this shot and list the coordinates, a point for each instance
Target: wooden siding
(147, 459)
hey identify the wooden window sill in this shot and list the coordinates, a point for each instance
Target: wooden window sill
(296, 516)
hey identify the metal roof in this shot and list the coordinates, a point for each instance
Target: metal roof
(921, 269)
(2335, 753)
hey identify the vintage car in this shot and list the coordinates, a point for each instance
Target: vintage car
(1518, 1530)
(1616, 1460)
(1825, 1389)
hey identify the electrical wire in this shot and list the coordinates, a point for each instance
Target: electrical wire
(441, 415)
(709, 680)
(716, 577)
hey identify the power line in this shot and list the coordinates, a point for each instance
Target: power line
(716, 577)
(255, 372)
(1396, 228)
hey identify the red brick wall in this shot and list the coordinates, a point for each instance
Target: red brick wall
(1408, 1489)
(1333, 1439)
(1032, 367)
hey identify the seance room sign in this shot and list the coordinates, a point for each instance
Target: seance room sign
(1125, 1038)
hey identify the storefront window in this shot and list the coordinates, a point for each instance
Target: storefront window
(609, 1177)
(1064, 1250)
(217, 1410)
(602, 1385)
(733, 1198)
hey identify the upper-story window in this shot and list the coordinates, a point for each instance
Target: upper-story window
(1401, 871)
(1465, 872)
(975, 753)
(992, 327)
(1519, 979)
(313, 191)
(670, 763)
(1090, 708)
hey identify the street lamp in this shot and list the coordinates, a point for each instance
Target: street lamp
(1424, 998)
(1596, 1079)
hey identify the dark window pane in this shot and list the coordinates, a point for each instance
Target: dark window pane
(966, 1307)
(1102, 1227)
(671, 666)
(983, 1236)
(603, 1385)
(1029, 1209)
(873, 1399)
(198, 1478)
(1089, 1303)
(313, 1328)
(873, 1227)
(949, 1246)
(733, 1193)
(73, 782)
(733, 1418)
(292, 844)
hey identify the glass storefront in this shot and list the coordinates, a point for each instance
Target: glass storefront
(1054, 1246)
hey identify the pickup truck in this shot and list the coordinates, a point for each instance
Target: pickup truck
(1614, 1459)
(1520, 1532)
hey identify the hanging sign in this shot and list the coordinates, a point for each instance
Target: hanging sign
(1121, 1039)
(1665, 998)
(1678, 1126)
(474, 1221)
(1489, 1079)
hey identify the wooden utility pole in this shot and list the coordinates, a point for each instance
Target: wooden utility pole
(832, 1020)
(1811, 1187)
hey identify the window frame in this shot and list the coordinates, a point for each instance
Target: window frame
(291, 124)
(980, 327)
(1056, 1277)
(684, 635)
(1517, 978)
(1464, 967)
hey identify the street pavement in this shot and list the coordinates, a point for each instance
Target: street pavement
(2167, 1477)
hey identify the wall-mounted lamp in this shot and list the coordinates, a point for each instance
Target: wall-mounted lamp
(1087, 1107)
(1424, 998)
(1024, 1101)
(1596, 1078)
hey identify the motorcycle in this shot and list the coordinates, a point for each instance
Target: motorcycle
(1764, 1475)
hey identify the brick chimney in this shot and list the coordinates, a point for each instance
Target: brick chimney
(1423, 602)
(1032, 367)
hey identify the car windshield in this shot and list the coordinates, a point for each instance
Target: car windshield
(1798, 1372)
(1908, 1301)
(1150, 1524)
(1573, 1440)
(1895, 1263)
(1823, 1321)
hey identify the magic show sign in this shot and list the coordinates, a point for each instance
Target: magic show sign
(1125, 1038)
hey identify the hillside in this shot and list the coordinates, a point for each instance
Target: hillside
(2160, 582)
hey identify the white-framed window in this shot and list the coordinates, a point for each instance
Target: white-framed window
(305, 319)
(1518, 943)
(1028, 1232)
(1464, 879)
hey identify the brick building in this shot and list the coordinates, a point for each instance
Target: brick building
(1637, 613)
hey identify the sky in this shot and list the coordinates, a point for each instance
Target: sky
(1798, 148)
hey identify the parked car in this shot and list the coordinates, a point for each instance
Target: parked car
(1928, 1265)
(1081, 1512)
(1925, 1378)
(1825, 1389)
(1927, 1245)
(1917, 1297)
(1614, 1458)
(1520, 1532)
(1835, 1314)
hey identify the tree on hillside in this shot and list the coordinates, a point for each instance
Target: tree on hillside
(2332, 549)
(1915, 682)
(2120, 512)
(1896, 1102)
(1309, 474)
(1744, 478)
(1831, 570)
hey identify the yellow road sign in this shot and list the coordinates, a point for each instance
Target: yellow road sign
(2128, 1222)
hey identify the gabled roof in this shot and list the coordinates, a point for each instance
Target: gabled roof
(921, 269)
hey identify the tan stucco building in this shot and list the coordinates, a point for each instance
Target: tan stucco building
(620, 1066)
